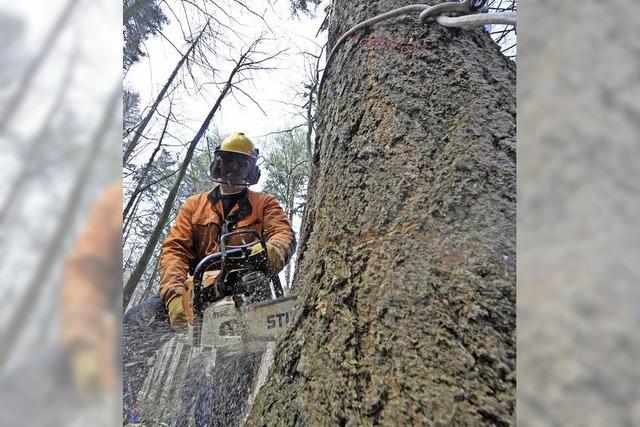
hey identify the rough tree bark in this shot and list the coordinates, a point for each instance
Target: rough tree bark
(406, 268)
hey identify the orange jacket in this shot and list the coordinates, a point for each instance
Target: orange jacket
(92, 286)
(92, 279)
(198, 226)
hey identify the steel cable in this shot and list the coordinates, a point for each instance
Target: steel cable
(465, 21)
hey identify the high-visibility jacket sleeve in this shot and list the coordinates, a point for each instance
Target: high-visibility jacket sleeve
(93, 274)
(277, 229)
(177, 255)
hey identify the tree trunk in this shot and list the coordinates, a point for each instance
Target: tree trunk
(126, 227)
(287, 269)
(313, 89)
(148, 290)
(406, 265)
(309, 117)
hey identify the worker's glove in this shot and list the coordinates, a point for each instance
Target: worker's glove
(91, 360)
(274, 258)
(176, 313)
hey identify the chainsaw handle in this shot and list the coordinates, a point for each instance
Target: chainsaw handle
(225, 251)
(225, 237)
(208, 261)
(277, 286)
(245, 247)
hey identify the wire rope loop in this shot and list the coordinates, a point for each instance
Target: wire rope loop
(505, 18)
(464, 6)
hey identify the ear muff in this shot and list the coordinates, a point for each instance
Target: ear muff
(254, 175)
(214, 166)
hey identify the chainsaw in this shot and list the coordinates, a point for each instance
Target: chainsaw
(245, 304)
(240, 314)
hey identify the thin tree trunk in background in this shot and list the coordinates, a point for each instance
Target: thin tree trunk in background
(146, 294)
(60, 235)
(287, 271)
(143, 124)
(138, 190)
(127, 225)
(406, 265)
(141, 266)
(310, 126)
(287, 276)
(310, 119)
(20, 94)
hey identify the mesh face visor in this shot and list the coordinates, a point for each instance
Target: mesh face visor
(232, 168)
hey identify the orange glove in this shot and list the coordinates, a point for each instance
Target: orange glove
(274, 257)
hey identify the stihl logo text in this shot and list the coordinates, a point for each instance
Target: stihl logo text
(277, 320)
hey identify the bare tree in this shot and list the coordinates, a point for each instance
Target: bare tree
(313, 79)
(161, 95)
(504, 35)
(145, 170)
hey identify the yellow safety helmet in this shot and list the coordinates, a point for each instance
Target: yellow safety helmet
(234, 161)
(238, 143)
